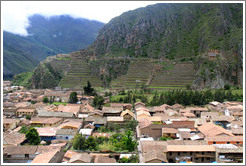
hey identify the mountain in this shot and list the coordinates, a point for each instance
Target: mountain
(22, 54)
(172, 30)
(48, 36)
(63, 33)
(160, 46)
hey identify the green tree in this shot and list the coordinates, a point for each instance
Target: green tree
(28, 117)
(45, 100)
(79, 142)
(127, 142)
(91, 143)
(131, 125)
(98, 102)
(32, 136)
(73, 97)
(88, 89)
(24, 129)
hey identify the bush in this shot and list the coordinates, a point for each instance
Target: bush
(227, 87)
(45, 100)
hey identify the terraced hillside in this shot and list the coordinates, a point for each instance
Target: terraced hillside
(78, 74)
(173, 76)
(137, 75)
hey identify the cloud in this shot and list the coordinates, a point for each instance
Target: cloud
(15, 14)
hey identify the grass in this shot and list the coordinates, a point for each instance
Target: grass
(233, 91)
(59, 103)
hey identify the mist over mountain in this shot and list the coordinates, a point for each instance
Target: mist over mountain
(47, 36)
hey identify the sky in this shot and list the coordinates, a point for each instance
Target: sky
(15, 13)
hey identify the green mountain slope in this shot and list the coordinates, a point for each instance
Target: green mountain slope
(48, 36)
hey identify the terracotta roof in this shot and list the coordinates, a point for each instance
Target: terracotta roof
(185, 134)
(139, 103)
(88, 108)
(235, 108)
(154, 118)
(86, 158)
(120, 104)
(222, 118)
(189, 115)
(14, 138)
(209, 114)
(127, 112)
(26, 110)
(45, 157)
(10, 121)
(65, 132)
(96, 112)
(225, 138)
(47, 131)
(23, 104)
(69, 154)
(12, 150)
(153, 155)
(103, 159)
(190, 148)
(70, 123)
(144, 123)
(45, 120)
(45, 149)
(143, 112)
(186, 142)
(236, 124)
(148, 146)
(74, 109)
(237, 130)
(55, 114)
(142, 109)
(210, 130)
(197, 108)
(115, 119)
(177, 106)
(112, 109)
(169, 130)
(97, 120)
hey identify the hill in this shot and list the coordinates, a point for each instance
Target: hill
(165, 46)
(48, 36)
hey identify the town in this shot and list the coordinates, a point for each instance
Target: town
(75, 126)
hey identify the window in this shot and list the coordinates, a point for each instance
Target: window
(202, 152)
(26, 155)
(170, 153)
(214, 142)
(237, 142)
(202, 159)
(228, 142)
(178, 153)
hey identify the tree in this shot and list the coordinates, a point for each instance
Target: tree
(91, 143)
(28, 117)
(128, 142)
(32, 136)
(227, 87)
(24, 129)
(73, 97)
(88, 89)
(45, 100)
(131, 124)
(98, 102)
(79, 142)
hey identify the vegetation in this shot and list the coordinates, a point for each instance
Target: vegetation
(24, 129)
(32, 136)
(45, 100)
(88, 90)
(73, 97)
(28, 117)
(165, 138)
(131, 159)
(98, 102)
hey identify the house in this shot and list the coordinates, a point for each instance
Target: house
(154, 119)
(49, 157)
(229, 153)
(127, 115)
(236, 140)
(81, 158)
(87, 109)
(45, 122)
(112, 111)
(68, 155)
(47, 114)
(194, 153)
(70, 108)
(10, 124)
(211, 130)
(104, 159)
(65, 134)
(197, 110)
(209, 115)
(96, 113)
(115, 119)
(107, 135)
(212, 54)
(169, 132)
(56, 96)
(123, 105)
(47, 133)
(97, 121)
(177, 107)
(189, 115)
(74, 124)
(237, 114)
(13, 138)
(19, 153)
(154, 156)
(148, 146)
(25, 111)
(198, 121)
(142, 114)
(223, 120)
(139, 105)
(237, 131)
(186, 142)
(152, 130)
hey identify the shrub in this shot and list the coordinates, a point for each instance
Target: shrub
(227, 87)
